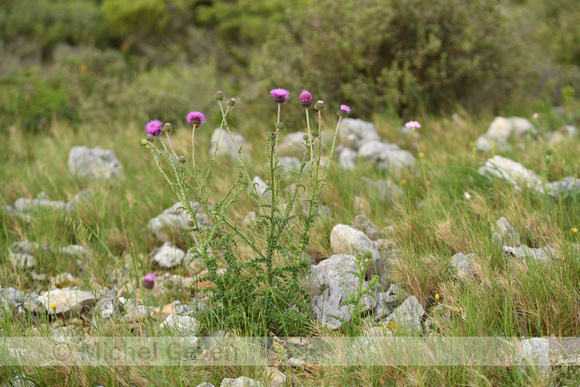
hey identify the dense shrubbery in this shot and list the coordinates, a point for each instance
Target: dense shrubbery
(401, 55)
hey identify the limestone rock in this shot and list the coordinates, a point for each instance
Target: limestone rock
(365, 225)
(383, 189)
(347, 240)
(242, 381)
(168, 256)
(68, 301)
(408, 315)
(543, 254)
(347, 158)
(537, 352)
(183, 325)
(503, 232)
(225, 145)
(513, 172)
(462, 263)
(332, 280)
(107, 308)
(94, 163)
(353, 132)
(176, 220)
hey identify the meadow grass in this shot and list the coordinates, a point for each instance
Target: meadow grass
(432, 221)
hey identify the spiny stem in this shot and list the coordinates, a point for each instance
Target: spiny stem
(193, 146)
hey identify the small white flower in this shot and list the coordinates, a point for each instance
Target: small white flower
(467, 195)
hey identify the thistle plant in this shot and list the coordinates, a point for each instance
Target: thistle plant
(264, 291)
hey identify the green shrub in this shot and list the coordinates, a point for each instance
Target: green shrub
(30, 99)
(402, 54)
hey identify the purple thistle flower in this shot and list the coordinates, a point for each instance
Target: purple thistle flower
(344, 110)
(154, 128)
(412, 124)
(149, 281)
(195, 118)
(279, 95)
(306, 98)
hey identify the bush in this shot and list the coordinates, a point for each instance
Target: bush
(30, 99)
(402, 55)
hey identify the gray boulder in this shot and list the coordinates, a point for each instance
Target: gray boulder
(168, 256)
(536, 352)
(543, 254)
(174, 219)
(225, 145)
(365, 225)
(407, 316)
(348, 240)
(353, 132)
(462, 263)
(383, 189)
(94, 163)
(512, 172)
(332, 280)
(66, 302)
(347, 159)
(503, 232)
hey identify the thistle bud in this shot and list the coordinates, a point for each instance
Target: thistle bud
(231, 102)
(280, 126)
(168, 284)
(272, 136)
(143, 142)
(218, 96)
(319, 105)
(315, 133)
(149, 281)
(150, 138)
(343, 112)
(167, 128)
(191, 223)
(181, 159)
(305, 137)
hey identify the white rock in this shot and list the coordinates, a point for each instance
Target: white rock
(372, 150)
(348, 240)
(242, 381)
(288, 164)
(67, 301)
(462, 263)
(537, 351)
(408, 315)
(261, 186)
(225, 146)
(22, 261)
(503, 232)
(396, 158)
(168, 256)
(483, 144)
(347, 159)
(292, 143)
(94, 163)
(332, 280)
(183, 325)
(513, 172)
(276, 378)
(354, 132)
(365, 225)
(108, 308)
(544, 254)
(174, 219)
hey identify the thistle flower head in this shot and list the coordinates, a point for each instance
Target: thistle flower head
(344, 110)
(195, 118)
(154, 128)
(306, 98)
(319, 105)
(279, 95)
(412, 124)
(149, 281)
